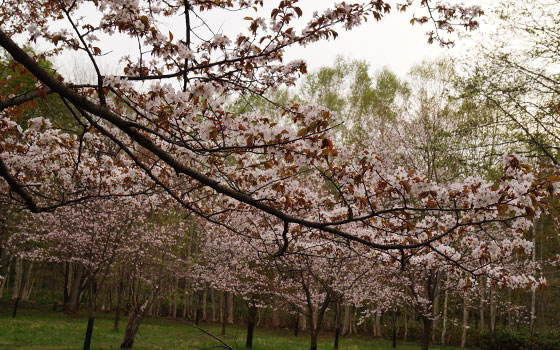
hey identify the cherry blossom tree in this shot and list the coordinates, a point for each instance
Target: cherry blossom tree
(164, 124)
(183, 133)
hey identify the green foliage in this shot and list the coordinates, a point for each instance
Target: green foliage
(15, 80)
(506, 339)
(362, 101)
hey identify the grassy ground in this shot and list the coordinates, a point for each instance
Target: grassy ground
(35, 329)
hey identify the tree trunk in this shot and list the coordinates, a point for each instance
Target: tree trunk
(213, 304)
(135, 317)
(223, 312)
(336, 324)
(296, 324)
(313, 333)
(66, 283)
(252, 312)
(275, 319)
(444, 326)
(89, 332)
(230, 301)
(465, 320)
(394, 330)
(405, 335)
(533, 290)
(73, 303)
(120, 290)
(5, 281)
(426, 333)
(204, 297)
(378, 323)
(17, 280)
(175, 296)
(28, 285)
(346, 324)
(481, 308)
(436, 318)
(492, 318)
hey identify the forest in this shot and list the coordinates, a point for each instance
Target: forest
(201, 185)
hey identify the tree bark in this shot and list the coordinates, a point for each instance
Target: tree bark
(135, 317)
(223, 312)
(336, 324)
(444, 326)
(275, 318)
(378, 323)
(436, 318)
(17, 280)
(492, 318)
(213, 304)
(28, 284)
(481, 308)
(426, 333)
(73, 303)
(230, 301)
(465, 320)
(120, 290)
(89, 332)
(346, 323)
(252, 312)
(204, 297)
(533, 290)
(405, 335)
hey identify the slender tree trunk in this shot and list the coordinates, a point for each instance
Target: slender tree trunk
(394, 330)
(120, 290)
(135, 317)
(66, 283)
(436, 318)
(465, 320)
(6, 280)
(223, 312)
(252, 312)
(313, 338)
(353, 327)
(346, 324)
(91, 317)
(175, 296)
(75, 289)
(426, 333)
(336, 324)
(533, 290)
(405, 335)
(296, 324)
(19, 290)
(444, 326)
(89, 332)
(275, 318)
(17, 280)
(213, 303)
(492, 318)
(28, 284)
(230, 301)
(481, 308)
(378, 323)
(204, 297)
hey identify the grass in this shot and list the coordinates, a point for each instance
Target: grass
(42, 329)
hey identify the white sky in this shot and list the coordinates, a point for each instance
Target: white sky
(392, 42)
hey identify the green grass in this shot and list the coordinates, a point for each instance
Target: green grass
(35, 329)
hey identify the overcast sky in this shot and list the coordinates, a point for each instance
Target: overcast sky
(392, 42)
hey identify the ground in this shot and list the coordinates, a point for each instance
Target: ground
(42, 329)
